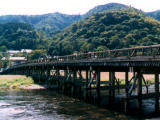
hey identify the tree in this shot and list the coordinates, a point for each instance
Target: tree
(3, 48)
(37, 54)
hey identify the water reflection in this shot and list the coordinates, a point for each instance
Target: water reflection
(48, 105)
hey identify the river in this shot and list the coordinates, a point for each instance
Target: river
(48, 105)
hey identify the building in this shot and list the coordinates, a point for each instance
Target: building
(12, 52)
(14, 60)
(26, 50)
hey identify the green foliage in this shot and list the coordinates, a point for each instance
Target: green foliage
(108, 30)
(4, 63)
(37, 54)
(104, 8)
(16, 36)
(16, 82)
(3, 48)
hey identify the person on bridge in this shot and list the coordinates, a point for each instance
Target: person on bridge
(97, 52)
(100, 53)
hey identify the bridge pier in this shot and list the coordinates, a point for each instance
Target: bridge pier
(58, 80)
(111, 88)
(86, 90)
(126, 90)
(89, 87)
(40, 75)
(64, 82)
(74, 83)
(157, 93)
(139, 91)
(98, 79)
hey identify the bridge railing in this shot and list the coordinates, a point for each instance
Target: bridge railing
(108, 54)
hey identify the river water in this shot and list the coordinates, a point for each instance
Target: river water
(48, 105)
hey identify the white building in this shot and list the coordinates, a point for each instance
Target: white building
(26, 50)
(12, 52)
(14, 60)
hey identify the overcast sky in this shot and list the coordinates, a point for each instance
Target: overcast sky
(31, 7)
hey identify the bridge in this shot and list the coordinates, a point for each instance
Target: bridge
(79, 75)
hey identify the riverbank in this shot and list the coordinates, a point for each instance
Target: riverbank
(18, 82)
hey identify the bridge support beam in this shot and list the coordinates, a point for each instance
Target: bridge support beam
(64, 85)
(157, 92)
(73, 83)
(79, 85)
(90, 91)
(126, 90)
(112, 88)
(98, 87)
(41, 74)
(57, 79)
(86, 96)
(139, 91)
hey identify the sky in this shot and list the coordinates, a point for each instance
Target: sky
(33, 7)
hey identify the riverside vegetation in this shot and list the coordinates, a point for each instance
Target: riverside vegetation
(16, 81)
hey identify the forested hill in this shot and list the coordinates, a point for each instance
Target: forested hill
(106, 7)
(16, 36)
(155, 14)
(108, 30)
(49, 23)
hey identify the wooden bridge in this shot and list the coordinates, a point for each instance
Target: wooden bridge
(79, 75)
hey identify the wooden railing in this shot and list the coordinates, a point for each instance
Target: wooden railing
(126, 52)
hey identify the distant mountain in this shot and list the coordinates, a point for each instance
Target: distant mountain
(55, 22)
(107, 30)
(155, 14)
(49, 23)
(52, 23)
(106, 7)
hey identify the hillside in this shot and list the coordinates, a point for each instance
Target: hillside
(18, 36)
(108, 30)
(155, 14)
(49, 23)
(104, 8)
